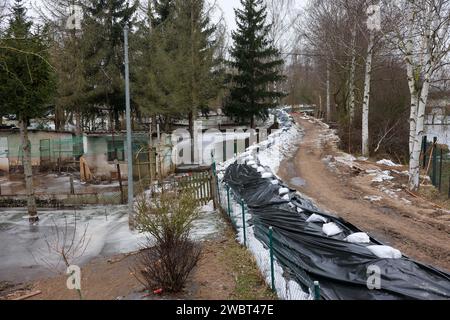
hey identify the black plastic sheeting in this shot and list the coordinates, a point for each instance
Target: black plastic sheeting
(308, 255)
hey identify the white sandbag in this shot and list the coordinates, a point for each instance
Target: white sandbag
(275, 182)
(359, 237)
(283, 191)
(261, 169)
(251, 163)
(331, 229)
(315, 218)
(385, 252)
(287, 197)
(299, 210)
(255, 166)
(267, 175)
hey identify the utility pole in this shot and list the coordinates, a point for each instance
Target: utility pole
(129, 137)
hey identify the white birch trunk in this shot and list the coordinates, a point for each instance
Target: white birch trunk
(328, 93)
(366, 102)
(352, 97)
(414, 163)
(28, 172)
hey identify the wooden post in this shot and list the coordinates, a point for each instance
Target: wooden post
(119, 175)
(72, 188)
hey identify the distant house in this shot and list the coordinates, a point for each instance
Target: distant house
(102, 149)
(47, 148)
(437, 120)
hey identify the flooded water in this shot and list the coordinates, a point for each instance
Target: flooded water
(24, 252)
(297, 182)
(52, 184)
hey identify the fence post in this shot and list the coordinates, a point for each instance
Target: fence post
(316, 290)
(272, 269)
(435, 162)
(449, 187)
(243, 222)
(228, 198)
(72, 188)
(216, 179)
(424, 148)
(440, 170)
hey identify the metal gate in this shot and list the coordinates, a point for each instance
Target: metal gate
(4, 161)
(45, 151)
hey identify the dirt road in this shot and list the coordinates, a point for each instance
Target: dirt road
(420, 230)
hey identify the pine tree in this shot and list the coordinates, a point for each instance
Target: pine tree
(26, 84)
(103, 41)
(256, 65)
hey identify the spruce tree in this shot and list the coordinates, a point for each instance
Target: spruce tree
(256, 65)
(152, 68)
(26, 84)
(103, 25)
(180, 71)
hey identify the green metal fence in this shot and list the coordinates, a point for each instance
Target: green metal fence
(264, 252)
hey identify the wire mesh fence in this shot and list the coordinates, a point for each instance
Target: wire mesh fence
(265, 243)
(436, 163)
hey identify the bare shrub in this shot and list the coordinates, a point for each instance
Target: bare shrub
(169, 255)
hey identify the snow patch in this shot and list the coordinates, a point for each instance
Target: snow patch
(388, 163)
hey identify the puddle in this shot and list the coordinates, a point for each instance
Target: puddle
(297, 182)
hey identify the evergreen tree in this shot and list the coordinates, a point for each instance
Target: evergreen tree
(195, 58)
(26, 84)
(152, 68)
(160, 11)
(256, 65)
(104, 53)
(179, 72)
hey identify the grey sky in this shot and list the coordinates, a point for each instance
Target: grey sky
(228, 7)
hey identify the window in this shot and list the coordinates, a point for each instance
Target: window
(116, 150)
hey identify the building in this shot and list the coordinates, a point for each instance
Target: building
(48, 148)
(437, 120)
(104, 150)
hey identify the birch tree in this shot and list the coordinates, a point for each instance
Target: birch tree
(424, 40)
(373, 25)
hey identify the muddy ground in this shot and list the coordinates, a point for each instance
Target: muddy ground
(420, 229)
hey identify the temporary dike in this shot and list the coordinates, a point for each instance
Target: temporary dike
(308, 255)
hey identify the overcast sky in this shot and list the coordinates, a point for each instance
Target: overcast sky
(225, 6)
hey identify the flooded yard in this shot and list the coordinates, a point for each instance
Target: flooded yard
(24, 252)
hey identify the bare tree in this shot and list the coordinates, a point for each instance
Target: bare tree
(283, 16)
(423, 37)
(64, 246)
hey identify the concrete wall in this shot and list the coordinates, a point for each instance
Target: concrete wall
(96, 155)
